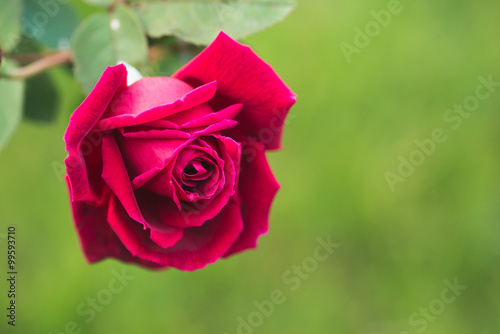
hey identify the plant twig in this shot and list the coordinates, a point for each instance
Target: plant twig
(41, 65)
(26, 58)
(115, 4)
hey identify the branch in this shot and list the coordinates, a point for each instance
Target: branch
(41, 65)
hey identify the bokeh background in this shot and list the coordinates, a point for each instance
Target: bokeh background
(351, 123)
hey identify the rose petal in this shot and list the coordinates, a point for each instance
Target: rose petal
(114, 173)
(217, 127)
(257, 189)
(144, 154)
(189, 115)
(157, 134)
(81, 123)
(161, 123)
(92, 159)
(145, 94)
(156, 164)
(191, 214)
(144, 178)
(243, 77)
(122, 116)
(199, 170)
(233, 151)
(97, 239)
(198, 247)
(167, 237)
(226, 113)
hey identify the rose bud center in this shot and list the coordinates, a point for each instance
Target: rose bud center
(198, 174)
(195, 173)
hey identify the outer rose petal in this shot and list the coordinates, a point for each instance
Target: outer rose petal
(115, 175)
(243, 77)
(145, 94)
(198, 247)
(81, 122)
(257, 189)
(120, 114)
(97, 239)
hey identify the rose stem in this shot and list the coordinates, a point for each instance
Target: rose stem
(41, 65)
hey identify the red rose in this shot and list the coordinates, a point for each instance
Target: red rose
(171, 172)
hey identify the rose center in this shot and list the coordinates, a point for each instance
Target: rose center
(197, 175)
(190, 169)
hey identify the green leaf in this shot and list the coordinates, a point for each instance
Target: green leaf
(50, 22)
(10, 24)
(199, 21)
(11, 107)
(175, 54)
(102, 3)
(105, 39)
(41, 98)
(170, 64)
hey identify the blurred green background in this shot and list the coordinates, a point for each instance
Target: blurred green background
(351, 123)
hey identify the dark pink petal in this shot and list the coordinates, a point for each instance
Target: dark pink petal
(159, 183)
(121, 116)
(92, 156)
(198, 247)
(257, 189)
(148, 158)
(161, 134)
(114, 173)
(147, 93)
(161, 123)
(197, 112)
(191, 214)
(144, 154)
(97, 239)
(232, 152)
(81, 123)
(226, 113)
(130, 232)
(245, 78)
(167, 237)
(217, 127)
(144, 178)
(206, 244)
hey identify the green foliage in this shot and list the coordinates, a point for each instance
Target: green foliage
(51, 23)
(175, 54)
(41, 99)
(103, 3)
(105, 39)
(11, 106)
(10, 24)
(199, 21)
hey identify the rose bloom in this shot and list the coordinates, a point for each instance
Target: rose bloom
(171, 171)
